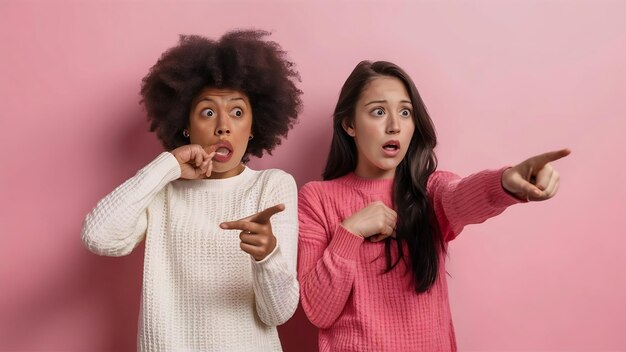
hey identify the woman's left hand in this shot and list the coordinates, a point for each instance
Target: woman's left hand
(256, 234)
(534, 179)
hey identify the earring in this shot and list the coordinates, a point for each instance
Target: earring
(186, 133)
(250, 138)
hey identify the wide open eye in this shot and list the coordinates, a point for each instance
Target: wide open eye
(405, 113)
(237, 112)
(207, 112)
(378, 112)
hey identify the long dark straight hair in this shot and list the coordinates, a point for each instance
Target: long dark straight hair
(416, 225)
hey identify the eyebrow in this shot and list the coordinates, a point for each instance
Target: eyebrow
(213, 101)
(385, 101)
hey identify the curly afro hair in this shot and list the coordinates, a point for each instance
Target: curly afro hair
(240, 60)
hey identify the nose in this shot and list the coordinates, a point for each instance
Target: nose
(393, 125)
(223, 128)
(222, 131)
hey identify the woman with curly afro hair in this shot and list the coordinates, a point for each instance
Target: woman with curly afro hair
(220, 238)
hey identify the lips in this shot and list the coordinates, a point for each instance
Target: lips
(391, 148)
(223, 151)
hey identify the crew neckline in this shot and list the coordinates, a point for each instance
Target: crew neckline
(367, 184)
(221, 184)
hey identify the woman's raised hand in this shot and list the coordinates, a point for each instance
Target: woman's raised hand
(257, 238)
(195, 162)
(534, 179)
(375, 222)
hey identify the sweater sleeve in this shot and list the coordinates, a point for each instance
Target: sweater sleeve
(119, 221)
(471, 200)
(275, 283)
(326, 264)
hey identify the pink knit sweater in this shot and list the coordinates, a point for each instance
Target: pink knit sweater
(343, 289)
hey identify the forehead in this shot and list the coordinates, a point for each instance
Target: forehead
(385, 88)
(220, 95)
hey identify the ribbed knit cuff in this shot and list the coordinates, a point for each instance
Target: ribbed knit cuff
(268, 258)
(345, 244)
(497, 194)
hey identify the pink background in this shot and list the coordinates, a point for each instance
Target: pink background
(503, 80)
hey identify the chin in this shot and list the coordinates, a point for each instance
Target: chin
(221, 170)
(388, 166)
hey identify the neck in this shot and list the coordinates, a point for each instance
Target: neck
(374, 173)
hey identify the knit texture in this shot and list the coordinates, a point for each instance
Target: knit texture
(201, 292)
(344, 291)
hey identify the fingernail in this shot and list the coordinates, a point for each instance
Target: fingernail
(223, 226)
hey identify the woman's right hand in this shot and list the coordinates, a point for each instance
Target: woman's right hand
(195, 162)
(375, 222)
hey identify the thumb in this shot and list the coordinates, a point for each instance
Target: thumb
(528, 189)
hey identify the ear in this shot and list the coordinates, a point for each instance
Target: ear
(348, 127)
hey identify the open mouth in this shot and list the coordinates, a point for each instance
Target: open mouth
(223, 151)
(391, 146)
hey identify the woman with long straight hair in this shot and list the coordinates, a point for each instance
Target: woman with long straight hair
(373, 235)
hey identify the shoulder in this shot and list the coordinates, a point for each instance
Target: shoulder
(316, 191)
(274, 178)
(317, 186)
(440, 182)
(439, 178)
(273, 173)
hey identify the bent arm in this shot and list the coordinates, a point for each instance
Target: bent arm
(275, 282)
(327, 268)
(119, 221)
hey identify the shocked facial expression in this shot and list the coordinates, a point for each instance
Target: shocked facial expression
(382, 127)
(221, 120)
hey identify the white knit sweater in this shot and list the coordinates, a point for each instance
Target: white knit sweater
(201, 292)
